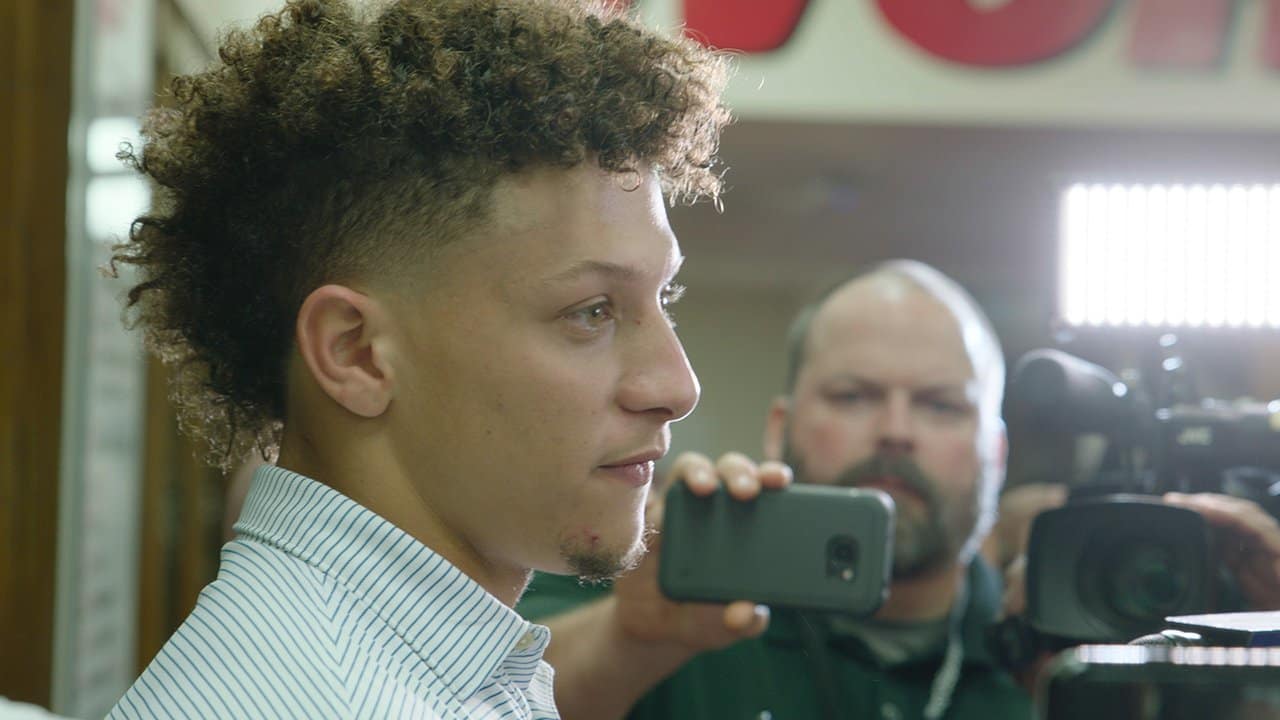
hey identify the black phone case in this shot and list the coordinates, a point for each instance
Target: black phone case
(780, 549)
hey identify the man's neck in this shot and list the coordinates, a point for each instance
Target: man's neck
(393, 496)
(924, 597)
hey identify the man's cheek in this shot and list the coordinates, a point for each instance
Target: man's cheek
(956, 450)
(833, 448)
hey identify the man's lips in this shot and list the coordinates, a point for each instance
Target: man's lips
(635, 470)
(633, 474)
(891, 484)
(645, 456)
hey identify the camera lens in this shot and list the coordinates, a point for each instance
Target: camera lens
(1139, 564)
(1146, 581)
(842, 552)
(842, 556)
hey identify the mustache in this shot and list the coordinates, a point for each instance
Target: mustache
(879, 466)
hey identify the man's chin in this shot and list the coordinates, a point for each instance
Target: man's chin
(602, 564)
(919, 559)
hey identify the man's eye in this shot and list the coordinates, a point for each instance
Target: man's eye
(669, 296)
(946, 407)
(672, 293)
(844, 397)
(592, 317)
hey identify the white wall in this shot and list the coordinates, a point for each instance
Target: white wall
(735, 340)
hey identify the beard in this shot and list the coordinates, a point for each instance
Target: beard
(596, 565)
(926, 537)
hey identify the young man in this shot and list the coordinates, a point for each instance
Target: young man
(421, 248)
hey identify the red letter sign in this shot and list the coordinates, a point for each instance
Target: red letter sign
(747, 25)
(1180, 33)
(1271, 40)
(1193, 34)
(1021, 32)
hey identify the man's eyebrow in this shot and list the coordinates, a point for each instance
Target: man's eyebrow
(614, 271)
(928, 390)
(856, 380)
(944, 389)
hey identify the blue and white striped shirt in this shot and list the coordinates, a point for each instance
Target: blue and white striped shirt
(322, 609)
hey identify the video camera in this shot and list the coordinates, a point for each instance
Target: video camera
(1114, 562)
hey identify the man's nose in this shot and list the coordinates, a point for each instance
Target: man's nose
(897, 429)
(659, 379)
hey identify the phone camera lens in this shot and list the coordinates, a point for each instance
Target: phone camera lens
(842, 556)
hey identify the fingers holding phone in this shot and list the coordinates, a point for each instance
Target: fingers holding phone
(742, 477)
(644, 612)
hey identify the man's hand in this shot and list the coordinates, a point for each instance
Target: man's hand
(1008, 541)
(1006, 546)
(1248, 543)
(643, 613)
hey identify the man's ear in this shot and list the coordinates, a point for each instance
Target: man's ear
(342, 337)
(775, 427)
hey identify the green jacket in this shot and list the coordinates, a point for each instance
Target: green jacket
(774, 677)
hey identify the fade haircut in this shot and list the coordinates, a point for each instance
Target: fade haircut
(334, 142)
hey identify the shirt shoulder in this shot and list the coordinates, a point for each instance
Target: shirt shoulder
(261, 642)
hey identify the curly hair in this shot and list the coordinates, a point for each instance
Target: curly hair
(328, 136)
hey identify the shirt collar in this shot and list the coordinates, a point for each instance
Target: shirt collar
(458, 629)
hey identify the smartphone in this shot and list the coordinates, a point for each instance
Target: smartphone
(811, 547)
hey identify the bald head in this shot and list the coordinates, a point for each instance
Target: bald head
(903, 319)
(893, 296)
